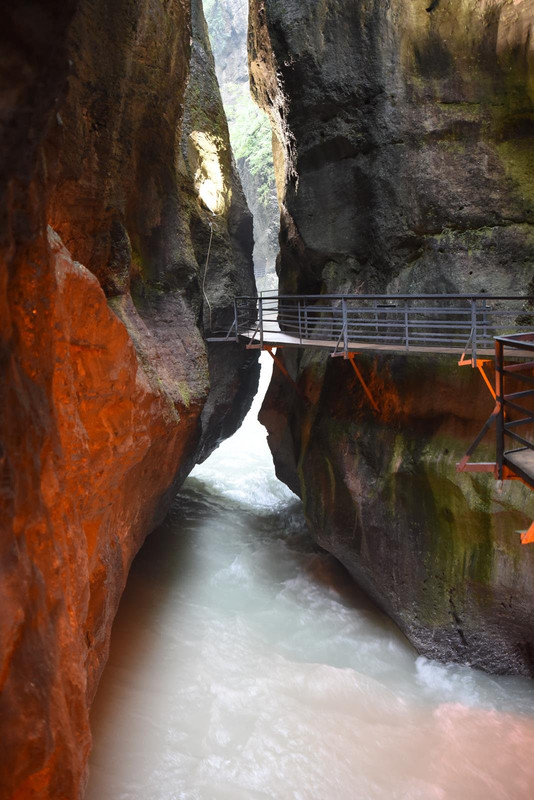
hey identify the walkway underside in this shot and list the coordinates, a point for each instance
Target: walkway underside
(281, 339)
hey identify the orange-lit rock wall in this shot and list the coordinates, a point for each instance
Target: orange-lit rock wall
(104, 374)
(96, 449)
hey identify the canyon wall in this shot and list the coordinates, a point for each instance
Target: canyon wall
(249, 130)
(116, 178)
(404, 156)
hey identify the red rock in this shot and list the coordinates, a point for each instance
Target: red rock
(100, 450)
(105, 396)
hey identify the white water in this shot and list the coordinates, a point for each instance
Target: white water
(244, 665)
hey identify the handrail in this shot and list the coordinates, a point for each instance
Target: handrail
(391, 297)
(464, 321)
(439, 321)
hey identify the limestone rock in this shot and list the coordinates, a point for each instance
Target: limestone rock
(405, 164)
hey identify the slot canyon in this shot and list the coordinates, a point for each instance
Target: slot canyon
(226, 576)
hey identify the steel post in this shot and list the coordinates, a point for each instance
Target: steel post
(473, 333)
(345, 327)
(260, 313)
(499, 393)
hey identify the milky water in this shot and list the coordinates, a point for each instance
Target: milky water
(244, 665)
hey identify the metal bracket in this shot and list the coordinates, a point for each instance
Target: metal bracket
(464, 362)
(250, 345)
(365, 388)
(527, 537)
(479, 364)
(462, 466)
(335, 353)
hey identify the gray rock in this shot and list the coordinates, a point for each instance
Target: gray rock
(405, 164)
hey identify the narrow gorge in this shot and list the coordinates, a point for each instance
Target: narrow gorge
(365, 630)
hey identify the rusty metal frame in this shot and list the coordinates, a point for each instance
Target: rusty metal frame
(504, 468)
(351, 358)
(478, 364)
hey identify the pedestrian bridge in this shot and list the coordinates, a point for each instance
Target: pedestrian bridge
(458, 325)
(476, 329)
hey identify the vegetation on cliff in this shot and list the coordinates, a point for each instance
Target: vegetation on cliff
(250, 131)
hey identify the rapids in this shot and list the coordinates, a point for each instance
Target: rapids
(245, 665)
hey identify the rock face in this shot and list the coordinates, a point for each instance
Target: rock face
(249, 130)
(114, 155)
(409, 132)
(404, 164)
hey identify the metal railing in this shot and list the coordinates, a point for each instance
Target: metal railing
(438, 321)
(514, 419)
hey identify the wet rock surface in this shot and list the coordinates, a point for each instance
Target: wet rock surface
(105, 377)
(404, 165)
(438, 551)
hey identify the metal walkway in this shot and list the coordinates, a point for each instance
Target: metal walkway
(478, 328)
(426, 324)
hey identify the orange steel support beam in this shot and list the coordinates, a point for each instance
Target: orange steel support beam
(480, 367)
(478, 466)
(479, 364)
(527, 537)
(488, 466)
(359, 375)
(281, 366)
(465, 362)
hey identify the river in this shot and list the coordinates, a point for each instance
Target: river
(245, 665)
